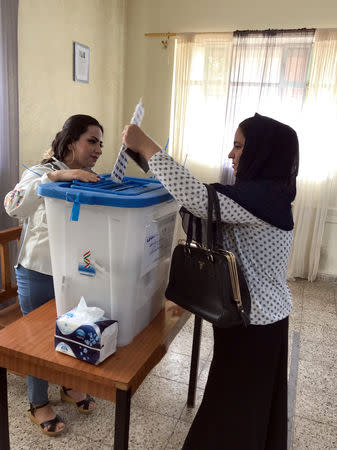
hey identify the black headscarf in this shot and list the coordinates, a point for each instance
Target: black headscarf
(266, 178)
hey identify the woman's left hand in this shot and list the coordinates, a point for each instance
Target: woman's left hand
(135, 139)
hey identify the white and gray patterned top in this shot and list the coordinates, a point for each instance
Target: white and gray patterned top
(261, 249)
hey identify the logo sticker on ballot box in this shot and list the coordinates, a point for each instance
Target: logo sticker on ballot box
(86, 264)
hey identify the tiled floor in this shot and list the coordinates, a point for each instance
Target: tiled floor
(159, 417)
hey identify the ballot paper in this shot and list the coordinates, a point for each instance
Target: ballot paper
(124, 153)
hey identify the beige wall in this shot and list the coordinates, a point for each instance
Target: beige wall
(47, 92)
(149, 67)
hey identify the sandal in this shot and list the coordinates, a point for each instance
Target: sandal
(51, 431)
(82, 406)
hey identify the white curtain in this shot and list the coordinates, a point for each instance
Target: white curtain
(318, 157)
(268, 75)
(200, 90)
(288, 75)
(9, 118)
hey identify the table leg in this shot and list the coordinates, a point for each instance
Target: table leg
(122, 419)
(4, 431)
(194, 361)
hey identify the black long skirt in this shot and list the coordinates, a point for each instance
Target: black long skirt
(245, 401)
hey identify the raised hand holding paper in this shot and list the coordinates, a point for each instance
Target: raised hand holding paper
(122, 160)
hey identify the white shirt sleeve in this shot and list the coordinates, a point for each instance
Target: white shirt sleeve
(192, 194)
(23, 200)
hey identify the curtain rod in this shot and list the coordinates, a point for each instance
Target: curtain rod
(169, 34)
(166, 36)
(160, 34)
(184, 32)
(273, 30)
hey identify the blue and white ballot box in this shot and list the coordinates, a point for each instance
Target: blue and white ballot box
(112, 243)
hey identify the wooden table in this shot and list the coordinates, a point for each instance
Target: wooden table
(27, 347)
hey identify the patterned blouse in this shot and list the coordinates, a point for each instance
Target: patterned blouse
(261, 249)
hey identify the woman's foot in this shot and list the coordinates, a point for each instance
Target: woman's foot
(45, 417)
(83, 402)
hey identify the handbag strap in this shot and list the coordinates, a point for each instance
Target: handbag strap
(218, 225)
(191, 220)
(210, 236)
(214, 229)
(189, 230)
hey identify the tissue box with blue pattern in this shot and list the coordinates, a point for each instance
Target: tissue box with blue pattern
(86, 334)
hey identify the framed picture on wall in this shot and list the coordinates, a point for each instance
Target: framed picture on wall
(81, 62)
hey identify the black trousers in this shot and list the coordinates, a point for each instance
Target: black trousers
(245, 400)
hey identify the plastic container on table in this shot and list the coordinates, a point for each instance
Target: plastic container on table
(112, 243)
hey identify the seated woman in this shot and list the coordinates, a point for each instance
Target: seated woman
(245, 401)
(73, 154)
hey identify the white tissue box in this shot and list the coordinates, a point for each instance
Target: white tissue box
(91, 341)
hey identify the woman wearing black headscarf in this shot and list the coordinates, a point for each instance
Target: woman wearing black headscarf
(245, 401)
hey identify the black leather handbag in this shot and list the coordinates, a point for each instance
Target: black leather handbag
(207, 280)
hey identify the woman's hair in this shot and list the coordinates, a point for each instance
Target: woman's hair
(270, 151)
(71, 131)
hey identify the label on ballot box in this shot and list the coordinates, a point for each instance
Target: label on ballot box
(84, 333)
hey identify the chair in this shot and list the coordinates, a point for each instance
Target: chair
(11, 312)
